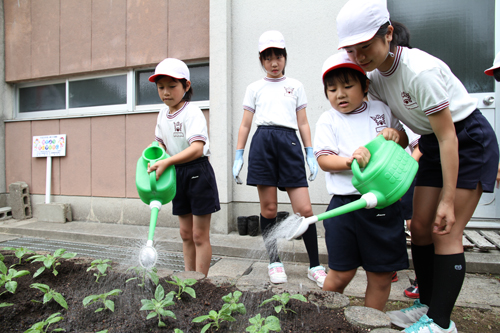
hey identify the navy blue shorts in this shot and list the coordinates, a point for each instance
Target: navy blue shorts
(196, 190)
(276, 158)
(407, 202)
(372, 238)
(477, 153)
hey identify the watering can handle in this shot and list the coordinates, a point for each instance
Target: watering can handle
(356, 171)
(152, 180)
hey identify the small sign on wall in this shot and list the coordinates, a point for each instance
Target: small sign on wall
(49, 145)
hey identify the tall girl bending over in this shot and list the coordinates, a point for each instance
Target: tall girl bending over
(278, 104)
(459, 153)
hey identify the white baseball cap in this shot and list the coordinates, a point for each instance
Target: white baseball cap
(171, 67)
(496, 64)
(359, 20)
(339, 60)
(271, 38)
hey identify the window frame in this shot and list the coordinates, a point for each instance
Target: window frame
(103, 110)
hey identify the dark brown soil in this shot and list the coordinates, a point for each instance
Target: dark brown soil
(75, 283)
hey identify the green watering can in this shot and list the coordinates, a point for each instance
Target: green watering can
(385, 179)
(154, 193)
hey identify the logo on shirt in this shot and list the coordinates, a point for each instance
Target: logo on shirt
(408, 103)
(380, 122)
(289, 92)
(178, 129)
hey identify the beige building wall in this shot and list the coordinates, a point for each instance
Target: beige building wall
(54, 38)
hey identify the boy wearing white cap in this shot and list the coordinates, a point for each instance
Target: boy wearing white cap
(371, 238)
(459, 153)
(495, 69)
(278, 104)
(181, 129)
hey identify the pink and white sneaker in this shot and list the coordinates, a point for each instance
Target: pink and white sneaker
(277, 272)
(317, 274)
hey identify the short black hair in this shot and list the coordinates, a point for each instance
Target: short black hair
(343, 75)
(269, 52)
(187, 95)
(496, 74)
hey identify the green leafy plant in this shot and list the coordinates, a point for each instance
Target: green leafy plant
(3, 305)
(157, 305)
(176, 330)
(217, 318)
(40, 326)
(103, 331)
(108, 304)
(50, 261)
(283, 300)
(49, 294)
(143, 273)
(7, 277)
(232, 299)
(19, 252)
(184, 286)
(101, 266)
(264, 325)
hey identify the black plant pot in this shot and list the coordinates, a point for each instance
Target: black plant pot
(253, 225)
(242, 225)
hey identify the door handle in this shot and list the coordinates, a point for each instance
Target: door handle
(488, 100)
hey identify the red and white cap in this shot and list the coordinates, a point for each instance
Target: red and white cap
(359, 20)
(271, 38)
(496, 64)
(171, 67)
(339, 60)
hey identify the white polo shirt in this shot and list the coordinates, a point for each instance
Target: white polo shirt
(418, 85)
(275, 102)
(178, 130)
(341, 134)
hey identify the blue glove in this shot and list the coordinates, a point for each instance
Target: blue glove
(238, 164)
(311, 162)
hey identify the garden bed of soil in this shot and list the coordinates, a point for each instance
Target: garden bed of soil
(75, 283)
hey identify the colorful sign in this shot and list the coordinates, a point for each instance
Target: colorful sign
(49, 145)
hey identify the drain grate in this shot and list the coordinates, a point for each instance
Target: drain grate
(169, 260)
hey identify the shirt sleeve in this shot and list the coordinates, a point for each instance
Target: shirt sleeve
(158, 132)
(196, 126)
(249, 100)
(325, 138)
(429, 90)
(301, 98)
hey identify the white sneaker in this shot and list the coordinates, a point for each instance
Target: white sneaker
(407, 317)
(317, 274)
(427, 325)
(277, 272)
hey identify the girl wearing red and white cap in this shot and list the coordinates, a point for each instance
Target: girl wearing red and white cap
(278, 104)
(459, 147)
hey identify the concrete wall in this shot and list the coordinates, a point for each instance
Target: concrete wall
(50, 38)
(310, 34)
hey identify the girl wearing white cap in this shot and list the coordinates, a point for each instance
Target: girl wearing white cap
(278, 104)
(371, 238)
(181, 129)
(459, 147)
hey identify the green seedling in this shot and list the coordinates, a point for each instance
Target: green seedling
(157, 305)
(7, 278)
(49, 294)
(283, 300)
(108, 304)
(19, 252)
(232, 299)
(50, 261)
(101, 266)
(183, 286)
(264, 325)
(40, 326)
(103, 331)
(143, 272)
(176, 330)
(217, 318)
(1, 257)
(3, 305)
